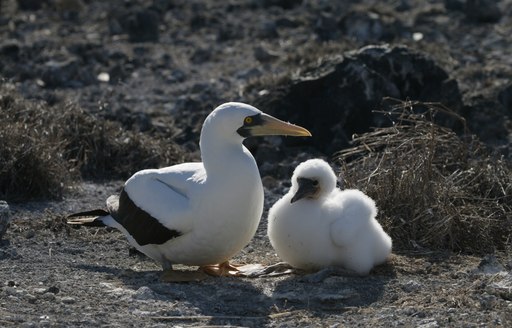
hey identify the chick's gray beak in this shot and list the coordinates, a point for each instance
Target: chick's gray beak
(307, 188)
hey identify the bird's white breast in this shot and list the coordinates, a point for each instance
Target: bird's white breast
(225, 212)
(299, 233)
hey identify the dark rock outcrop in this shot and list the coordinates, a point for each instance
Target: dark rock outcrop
(335, 99)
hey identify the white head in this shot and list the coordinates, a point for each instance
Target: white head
(233, 122)
(229, 124)
(313, 179)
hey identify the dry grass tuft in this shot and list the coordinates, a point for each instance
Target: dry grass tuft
(434, 189)
(44, 148)
(31, 165)
(103, 149)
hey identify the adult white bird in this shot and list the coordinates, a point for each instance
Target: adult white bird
(202, 213)
(316, 225)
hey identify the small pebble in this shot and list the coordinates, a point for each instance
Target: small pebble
(411, 286)
(40, 290)
(30, 298)
(11, 290)
(68, 300)
(48, 297)
(30, 234)
(144, 293)
(54, 290)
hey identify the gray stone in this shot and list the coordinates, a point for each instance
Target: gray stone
(141, 24)
(483, 11)
(428, 323)
(48, 297)
(40, 291)
(144, 293)
(30, 298)
(68, 73)
(44, 323)
(264, 55)
(489, 265)
(488, 302)
(411, 286)
(10, 48)
(5, 217)
(501, 287)
(11, 291)
(68, 300)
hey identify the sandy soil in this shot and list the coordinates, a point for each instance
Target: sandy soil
(199, 55)
(53, 275)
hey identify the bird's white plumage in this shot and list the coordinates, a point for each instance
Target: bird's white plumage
(210, 209)
(216, 204)
(336, 228)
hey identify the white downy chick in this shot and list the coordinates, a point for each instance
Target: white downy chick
(316, 225)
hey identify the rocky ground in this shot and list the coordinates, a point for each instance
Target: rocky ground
(158, 67)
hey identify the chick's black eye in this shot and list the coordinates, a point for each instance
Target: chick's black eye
(315, 183)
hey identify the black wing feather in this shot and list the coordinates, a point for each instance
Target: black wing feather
(144, 228)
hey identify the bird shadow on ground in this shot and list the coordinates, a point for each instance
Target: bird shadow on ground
(251, 301)
(213, 301)
(332, 290)
(237, 301)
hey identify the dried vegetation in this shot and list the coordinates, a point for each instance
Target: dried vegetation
(435, 189)
(44, 148)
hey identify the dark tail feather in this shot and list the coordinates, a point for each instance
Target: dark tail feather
(88, 218)
(98, 212)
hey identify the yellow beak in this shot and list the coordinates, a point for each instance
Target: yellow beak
(269, 126)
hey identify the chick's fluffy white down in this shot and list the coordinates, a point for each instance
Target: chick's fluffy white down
(336, 229)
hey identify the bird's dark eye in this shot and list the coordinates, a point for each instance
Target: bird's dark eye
(315, 183)
(248, 120)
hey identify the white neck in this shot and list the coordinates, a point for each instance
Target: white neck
(223, 155)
